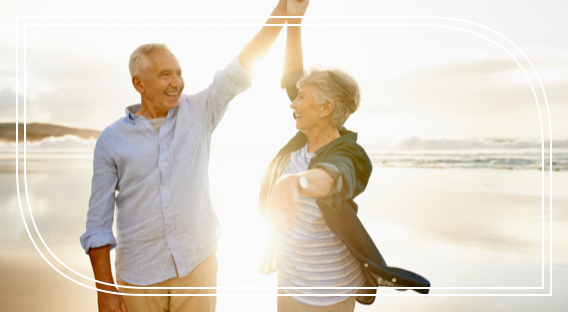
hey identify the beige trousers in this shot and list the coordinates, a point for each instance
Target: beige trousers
(204, 275)
(287, 304)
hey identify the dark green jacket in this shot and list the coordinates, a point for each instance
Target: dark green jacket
(348, 163)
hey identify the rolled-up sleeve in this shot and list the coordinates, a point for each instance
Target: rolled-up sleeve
(229, 82)
(332, 170)
(101, 203)
(346, 166)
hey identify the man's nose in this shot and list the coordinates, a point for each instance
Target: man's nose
(177, 81)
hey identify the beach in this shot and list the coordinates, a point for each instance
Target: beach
(458, 227)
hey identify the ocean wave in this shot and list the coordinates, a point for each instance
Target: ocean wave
(417, 143)
(64, 147)
(493, 160)
(469, 153)
(62, 142)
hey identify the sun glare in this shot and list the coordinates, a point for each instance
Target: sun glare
(235, 182)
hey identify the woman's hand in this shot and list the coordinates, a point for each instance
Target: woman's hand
(297, 7)
(283, 199)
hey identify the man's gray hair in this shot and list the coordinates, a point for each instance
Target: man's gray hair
(337, 85)
(139, 62)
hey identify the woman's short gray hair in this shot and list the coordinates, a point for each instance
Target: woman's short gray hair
(139, 61)
(337, 85)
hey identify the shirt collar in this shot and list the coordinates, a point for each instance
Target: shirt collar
(131, 113)
(132, 117)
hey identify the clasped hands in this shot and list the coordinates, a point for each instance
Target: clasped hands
(294, 7)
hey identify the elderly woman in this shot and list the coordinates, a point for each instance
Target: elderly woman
(309, 188)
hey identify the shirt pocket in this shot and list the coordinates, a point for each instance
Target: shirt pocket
(186, 141)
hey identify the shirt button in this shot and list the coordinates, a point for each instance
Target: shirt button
(163, 163)
(166, 212)
(148, 127)
(394, 280)
(164, 188)
(169, 235)
(366, 265)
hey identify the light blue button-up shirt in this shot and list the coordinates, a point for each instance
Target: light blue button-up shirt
(160, 185)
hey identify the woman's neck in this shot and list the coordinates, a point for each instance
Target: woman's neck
(321, 138)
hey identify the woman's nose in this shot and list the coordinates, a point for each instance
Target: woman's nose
(293, 104)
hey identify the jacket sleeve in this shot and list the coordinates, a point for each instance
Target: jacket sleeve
(350, 167)
(289, 81)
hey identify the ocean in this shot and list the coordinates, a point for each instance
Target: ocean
(413, 152)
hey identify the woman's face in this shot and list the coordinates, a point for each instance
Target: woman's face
(306, 112)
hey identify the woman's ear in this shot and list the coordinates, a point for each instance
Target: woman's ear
(327, 108)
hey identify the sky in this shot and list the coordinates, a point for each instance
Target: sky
(419, 77)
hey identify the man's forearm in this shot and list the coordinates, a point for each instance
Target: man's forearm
(259, 45)
(107, 302)
(100, 261)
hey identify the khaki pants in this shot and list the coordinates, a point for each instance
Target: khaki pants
(204, 275)
(287, 304)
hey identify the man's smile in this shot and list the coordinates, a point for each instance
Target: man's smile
(172, 94)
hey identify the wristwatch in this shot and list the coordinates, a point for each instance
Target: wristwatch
(303, 182)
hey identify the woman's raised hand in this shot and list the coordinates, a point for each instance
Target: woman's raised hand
(297, 7)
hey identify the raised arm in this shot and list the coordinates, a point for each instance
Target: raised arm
(293, 57)
(259, 45)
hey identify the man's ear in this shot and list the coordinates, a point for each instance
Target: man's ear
(138, 84)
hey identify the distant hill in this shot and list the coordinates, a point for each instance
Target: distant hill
(39, 131)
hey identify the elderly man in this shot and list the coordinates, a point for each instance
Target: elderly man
(153, 164)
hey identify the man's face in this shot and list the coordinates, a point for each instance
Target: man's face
(163, 84)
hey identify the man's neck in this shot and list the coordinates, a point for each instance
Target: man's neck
(148, 112)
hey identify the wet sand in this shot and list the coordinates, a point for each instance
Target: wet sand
(457, 227)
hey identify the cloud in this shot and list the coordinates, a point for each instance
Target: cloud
(76, 88)
(474, 87)
(7, 105)
(486, 98)
(472, 68)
